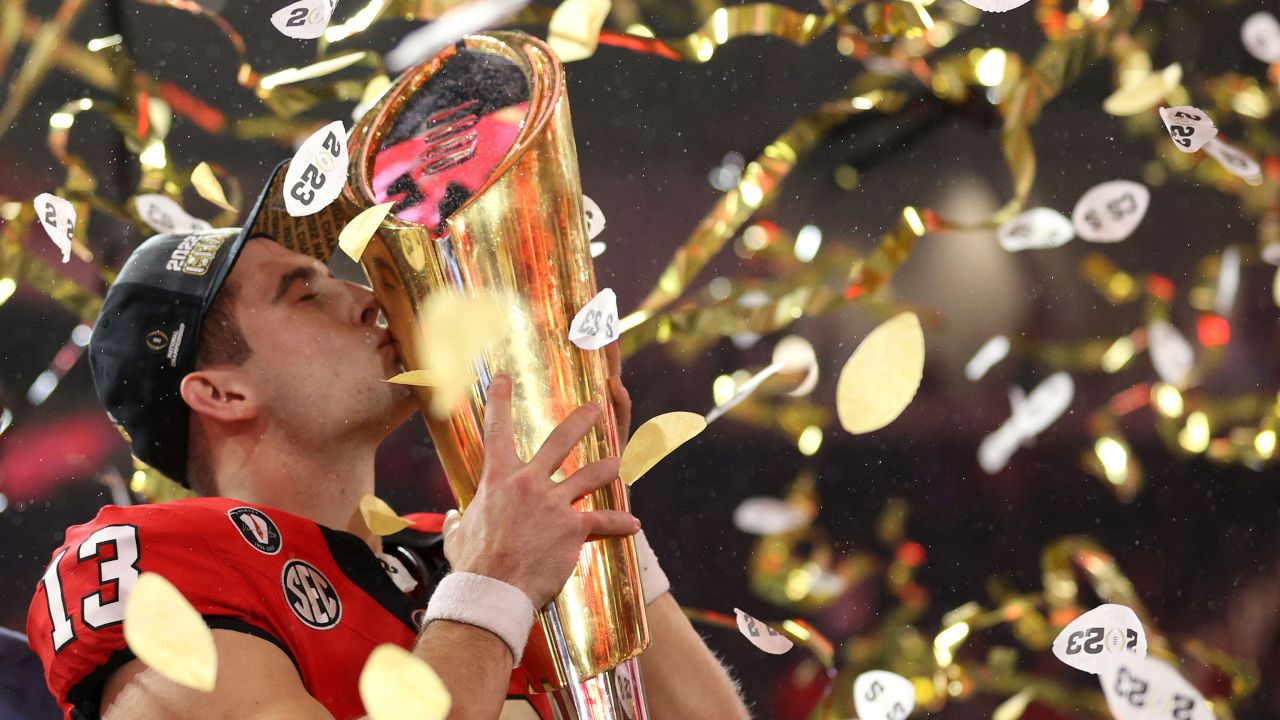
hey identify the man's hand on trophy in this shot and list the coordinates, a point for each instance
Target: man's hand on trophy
(521, 527)
(618, 394)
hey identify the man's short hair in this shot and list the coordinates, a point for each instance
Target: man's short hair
(221, 343)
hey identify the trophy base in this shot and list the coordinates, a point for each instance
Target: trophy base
(616, 694)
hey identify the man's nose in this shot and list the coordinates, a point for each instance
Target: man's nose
(366, 305)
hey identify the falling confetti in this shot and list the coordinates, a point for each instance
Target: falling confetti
(596, 324)
(1095, 638)
(379, 517)
(761, 635)
(1189, 128)
(768, 516)
(997, 6)
(1039, 228)
(1236, 162)
(1260, 34)
(655, 439)
(1031, 415)
(162, 214)
(1143, 688)
(883, 694)
(1141, 94)
(1171, 354)
(355, 237)
(1015, 706)
(451, 25)
(167, 634)
(1111, 211)
(991, 352)
(58, 216)
(594, 216)
(395, 684)
(792, 355)
(882, 376)
(471, 325)
(317, 172)
(208, 187)
(305, 19)
(574, 30)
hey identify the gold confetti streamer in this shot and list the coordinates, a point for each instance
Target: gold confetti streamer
(355, 237)
(207, 185)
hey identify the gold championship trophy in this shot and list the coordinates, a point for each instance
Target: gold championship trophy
(476, 149)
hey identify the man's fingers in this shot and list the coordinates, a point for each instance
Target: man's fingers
(499, 437)
(588, 478)
(621, 409)
(610, 523)
(613, 360)
(561, 440)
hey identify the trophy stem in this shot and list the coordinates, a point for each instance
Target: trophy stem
(615, 694)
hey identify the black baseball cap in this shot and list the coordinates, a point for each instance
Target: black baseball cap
(147, 336)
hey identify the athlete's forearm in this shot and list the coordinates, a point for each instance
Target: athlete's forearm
(682, 678)
(474, 664)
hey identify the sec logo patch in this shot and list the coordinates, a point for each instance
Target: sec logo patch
(310, 595)
(256, 528)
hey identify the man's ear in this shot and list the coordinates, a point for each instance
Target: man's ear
(219, 394)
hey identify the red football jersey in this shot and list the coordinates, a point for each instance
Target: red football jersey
(320, 595)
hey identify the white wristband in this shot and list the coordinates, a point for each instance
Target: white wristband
(653, 581)
(487, 603)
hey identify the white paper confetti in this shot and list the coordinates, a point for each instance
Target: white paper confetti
(991, 352)
(1189, 128)
(1110, 212)
(1143, 688)
(1236, 162)
(1260, 34)
(768, 516)
(317, 172)
(997, 6)
(58, 216)
(305, 19)
(596, 324)
(1032, 414)
(881, 694)
(1171, 354)
(793, 354)
(595, 218)
(761, 635)
(162, 214)
(1039, 228)
(1090, 641)
(449, 27)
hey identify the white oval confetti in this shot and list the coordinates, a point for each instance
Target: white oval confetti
(1103, 633)
(1031, 415)
(997, 6)
(317, 172)
(1224, 298)
(305, 19)
(162, 214)
(595, 218)
(1111, 211)
(1143, 688)
(1189, 127)
(395, 684)
(761, 635)
(1236, 162)
(208, 187)
(882, 376)
(449, 27)
(58, 216)
(596, 324)
(1260, 34)
(768, 516)
(574, 30)
(656, 439)
(1170, 352)
(991, 352)
(355, 236)
(1039, 228)
(883, 694)
(794, 354)
(167, 634)
(379, 517)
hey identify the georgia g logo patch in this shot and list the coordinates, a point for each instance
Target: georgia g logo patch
(310, 595)
(256, 528)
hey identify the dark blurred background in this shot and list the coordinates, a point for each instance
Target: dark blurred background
(1199, 541)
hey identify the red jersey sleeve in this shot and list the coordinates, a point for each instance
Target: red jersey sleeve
(75, 622)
